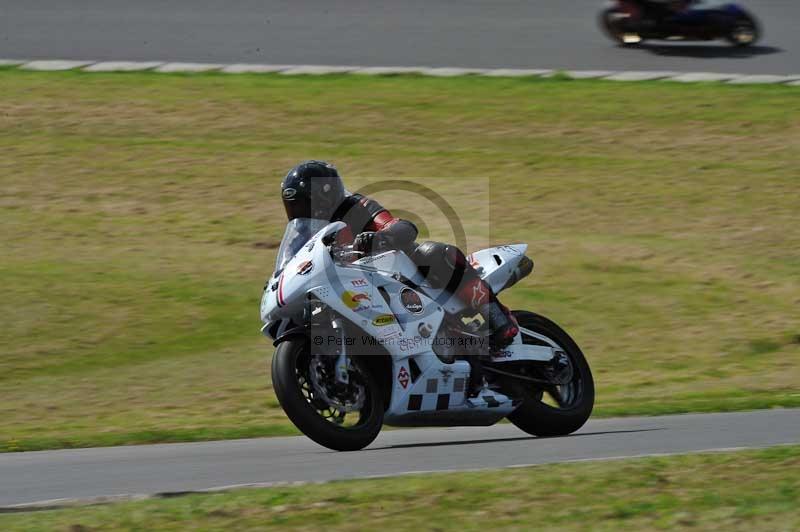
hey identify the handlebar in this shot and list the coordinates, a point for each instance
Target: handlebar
(345, 252)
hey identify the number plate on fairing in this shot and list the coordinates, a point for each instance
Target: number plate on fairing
(524, 352)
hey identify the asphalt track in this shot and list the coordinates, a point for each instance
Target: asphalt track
(554, 34)
(87, 473)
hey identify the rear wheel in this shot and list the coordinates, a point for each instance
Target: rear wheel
(340, 417)
(745, 32)
(555, 410)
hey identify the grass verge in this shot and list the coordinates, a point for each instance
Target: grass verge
(747, 490)
(140, 215)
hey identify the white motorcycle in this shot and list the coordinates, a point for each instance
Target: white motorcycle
(364, 340)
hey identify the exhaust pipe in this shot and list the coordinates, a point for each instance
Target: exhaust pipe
(523, 269)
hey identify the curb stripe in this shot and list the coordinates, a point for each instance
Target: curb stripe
(54, 64)
(122, 66)
(297, 70)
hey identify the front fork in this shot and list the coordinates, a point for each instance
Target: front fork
(342, 361)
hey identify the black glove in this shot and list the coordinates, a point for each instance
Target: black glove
(369, 241)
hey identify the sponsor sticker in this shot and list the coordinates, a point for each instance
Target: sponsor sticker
(383, 320)
(510, 249)
(410, 344)
(359, 282)
(411, 301)
(392, 334)
(310, 244)
(305, 267)
(403, 377)
(289, 193)
(356, 301)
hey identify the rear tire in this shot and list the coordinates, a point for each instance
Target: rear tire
(540, 419)
(745, 32)
(288, 366)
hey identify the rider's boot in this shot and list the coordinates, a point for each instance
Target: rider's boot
(502, 324)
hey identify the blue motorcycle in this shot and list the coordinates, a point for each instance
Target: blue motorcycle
(630, 22)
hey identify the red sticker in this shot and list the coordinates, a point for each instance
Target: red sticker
(304, 268)
(402, 377)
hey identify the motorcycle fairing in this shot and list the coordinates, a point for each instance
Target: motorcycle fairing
(281, 329)
(433, 392)
(436, 394)
(733, 9)
(284, 295)
(392, 262)
(495, 265)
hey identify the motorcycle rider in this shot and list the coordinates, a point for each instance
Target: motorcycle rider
(656, 12)
(314, 189)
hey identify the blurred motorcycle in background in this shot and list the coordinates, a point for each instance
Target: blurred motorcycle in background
(629, 22)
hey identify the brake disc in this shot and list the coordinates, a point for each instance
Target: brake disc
(320, 380)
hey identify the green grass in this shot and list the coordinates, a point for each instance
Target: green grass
(141, 214)
(753, 490)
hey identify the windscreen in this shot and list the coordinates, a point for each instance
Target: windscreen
(297, 233)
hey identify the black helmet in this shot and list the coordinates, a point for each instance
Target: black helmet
(312, 189)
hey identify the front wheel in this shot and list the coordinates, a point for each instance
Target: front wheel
(614, 24)
(339, 417)
(555, 410)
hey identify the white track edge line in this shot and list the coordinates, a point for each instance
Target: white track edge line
(54, 504)
(44, 65)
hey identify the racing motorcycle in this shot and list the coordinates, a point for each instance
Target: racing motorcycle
(365, 340)
(626, 23)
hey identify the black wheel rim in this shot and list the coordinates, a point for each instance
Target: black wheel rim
(744, 33)
(557, 397)
(348, 420)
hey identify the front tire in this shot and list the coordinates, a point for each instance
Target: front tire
(291, 365)
(575, 399)
(612, 21)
